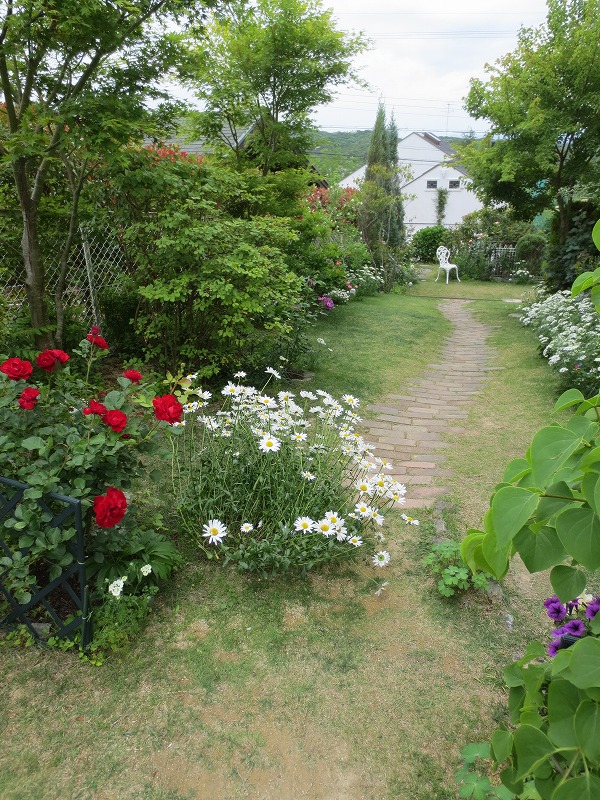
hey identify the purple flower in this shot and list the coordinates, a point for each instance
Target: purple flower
(555, 609)
(553, 648)
(575, 627)
(593, 608)
(572, 605)
(558, 632)
(328, 303)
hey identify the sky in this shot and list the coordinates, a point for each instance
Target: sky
(421, 61)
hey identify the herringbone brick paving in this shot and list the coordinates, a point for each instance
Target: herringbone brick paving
(409, 427)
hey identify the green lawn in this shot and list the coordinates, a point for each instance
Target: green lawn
(315, 689)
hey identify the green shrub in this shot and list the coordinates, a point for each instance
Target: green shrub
(426, 241)
(530, 248)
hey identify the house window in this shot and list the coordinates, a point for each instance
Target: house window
(454, 184)
(432, 184)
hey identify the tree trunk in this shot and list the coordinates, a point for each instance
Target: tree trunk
(32, 259)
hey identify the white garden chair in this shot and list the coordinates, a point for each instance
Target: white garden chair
(442, 255)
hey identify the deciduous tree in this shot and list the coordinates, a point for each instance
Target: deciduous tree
(74, 76)
(263, 68)
(542, 101)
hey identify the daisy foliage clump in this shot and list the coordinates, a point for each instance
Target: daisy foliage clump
(281, 483)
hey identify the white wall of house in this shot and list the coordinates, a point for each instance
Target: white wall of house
(423, 158)
(420, 198)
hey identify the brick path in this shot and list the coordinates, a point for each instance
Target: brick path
(408, 430)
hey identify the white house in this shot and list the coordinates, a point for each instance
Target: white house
(427, 166)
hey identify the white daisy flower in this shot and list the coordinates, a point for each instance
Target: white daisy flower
(273, 372)
(308, 476)
(381, 559)
(246, 527)
(269, 444)
(325, 527)
(299, 437)
(355, 540)
(308, 395)
(304, 524)
(409, 520)
(214, 531)
(350, 400)
(239, 374)
(363, 510)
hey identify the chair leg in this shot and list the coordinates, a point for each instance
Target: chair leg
(438, 275)
(447, 275)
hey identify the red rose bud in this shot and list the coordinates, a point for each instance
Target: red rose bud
(94, 330)
(167, 408)
(100, 343)
(116, 420)
(110, 508)
(95, 408)
(133, 375)
(16, 369)
(29, 398)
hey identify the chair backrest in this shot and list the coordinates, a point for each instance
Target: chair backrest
(442, 255)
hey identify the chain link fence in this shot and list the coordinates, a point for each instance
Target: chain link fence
(96, 260)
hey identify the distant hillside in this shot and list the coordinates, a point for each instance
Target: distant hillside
(337, 154)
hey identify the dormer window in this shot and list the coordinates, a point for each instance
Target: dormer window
(432, 184)
(454, 184)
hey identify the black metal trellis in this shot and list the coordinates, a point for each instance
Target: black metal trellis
(69, 515)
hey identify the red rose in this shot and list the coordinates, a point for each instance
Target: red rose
(60, 355)
(29, 397)
(115, 420)
(95, 408)
(50, 358)
(110, 508)
(16, 369)
(94, 330)
(100, 343)
(133, 375)
(167, 408)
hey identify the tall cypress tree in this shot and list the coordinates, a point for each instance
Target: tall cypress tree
(396, 218)
(378, 148)
(382, 215)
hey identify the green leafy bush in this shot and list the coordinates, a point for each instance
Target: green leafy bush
(426, 241)
(530, 248)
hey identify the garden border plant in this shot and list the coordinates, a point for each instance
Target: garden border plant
(63, 435)
(547, 509)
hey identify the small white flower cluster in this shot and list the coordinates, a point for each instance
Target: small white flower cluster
(569, 334)
(116, 587)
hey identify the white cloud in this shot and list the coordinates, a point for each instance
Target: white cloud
(420, 63)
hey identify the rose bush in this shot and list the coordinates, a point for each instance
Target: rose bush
(64, 435)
